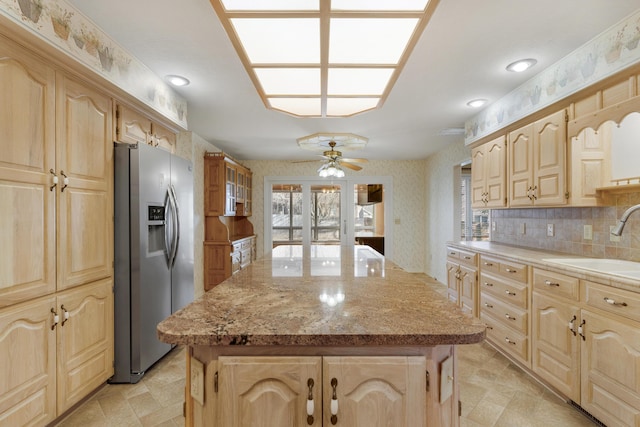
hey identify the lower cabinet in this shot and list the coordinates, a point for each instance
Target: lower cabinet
(350, 391)
(462, 280)
(55, 350)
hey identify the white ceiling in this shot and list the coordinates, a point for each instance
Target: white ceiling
(461, 56)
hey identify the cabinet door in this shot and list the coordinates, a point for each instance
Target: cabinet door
(248, 190)
(28, 368)
(230, 196)
(549, 157)
(468, 290)
(452, 281)
(610, 369)
(85, 341)
(478, 177)
(590, 165)
(521, 166)
(375, 391)
(27, 207)
(214, 186)
(85, 206)
(496, 173)
(268, 391)
(556, 348)
(132, 127)
(163, 138)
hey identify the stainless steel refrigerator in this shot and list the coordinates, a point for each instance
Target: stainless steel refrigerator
(153, 252)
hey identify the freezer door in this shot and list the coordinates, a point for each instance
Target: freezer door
(151, 276)
(182, 273)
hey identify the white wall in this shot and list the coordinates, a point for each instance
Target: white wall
(440, 193)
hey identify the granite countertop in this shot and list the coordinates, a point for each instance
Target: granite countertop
(322, 296)
(544, 259)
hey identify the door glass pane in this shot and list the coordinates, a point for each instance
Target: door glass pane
(369, 215)
(286, 214)
(325, 213)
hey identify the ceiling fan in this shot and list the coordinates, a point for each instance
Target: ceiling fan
(334, 162)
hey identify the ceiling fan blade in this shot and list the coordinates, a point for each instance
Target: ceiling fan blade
(354, 160)
(350, 166)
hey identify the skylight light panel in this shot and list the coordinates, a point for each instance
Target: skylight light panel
(279, 41)
(298, 106)
(289, 81)
(378, 5)
(369, 41)
(358, 81)
(271, 5)
(337, 107)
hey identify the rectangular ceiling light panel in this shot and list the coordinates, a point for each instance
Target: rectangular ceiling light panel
(324, 58)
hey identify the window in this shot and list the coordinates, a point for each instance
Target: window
(474, 223)
(325, 213)
(286, 214)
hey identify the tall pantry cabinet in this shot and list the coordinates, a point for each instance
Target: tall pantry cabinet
(56, 234)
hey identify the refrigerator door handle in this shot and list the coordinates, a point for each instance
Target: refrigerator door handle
(167, 229)
(176, 224)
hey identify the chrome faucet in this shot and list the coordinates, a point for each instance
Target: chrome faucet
(618, 230)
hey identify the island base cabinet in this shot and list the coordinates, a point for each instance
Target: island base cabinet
(317, 390)
(610, 381)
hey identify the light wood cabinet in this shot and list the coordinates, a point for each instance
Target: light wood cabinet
(28, 370)
(366, 391)
(488, 174)
(27, 211)
(133, 127)
(590, 166)
(504, 305)
(537, 163)
(85, 171)
(462, 280)
(56, 173)
(85, 341)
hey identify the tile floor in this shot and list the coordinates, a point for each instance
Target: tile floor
(494, 393)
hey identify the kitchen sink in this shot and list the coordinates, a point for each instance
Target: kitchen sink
(617, 267)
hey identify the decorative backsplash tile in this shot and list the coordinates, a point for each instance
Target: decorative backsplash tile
(569, 224)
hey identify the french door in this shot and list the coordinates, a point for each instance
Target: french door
(305, 210)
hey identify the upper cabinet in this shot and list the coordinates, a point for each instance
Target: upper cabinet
(227, 186)
(488, 174)
(537, 163)
(133, 127)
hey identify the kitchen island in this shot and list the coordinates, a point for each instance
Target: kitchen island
(319, 336)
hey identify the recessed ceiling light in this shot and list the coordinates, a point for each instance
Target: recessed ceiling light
(521, 65)
(475, 103)
(177, 80)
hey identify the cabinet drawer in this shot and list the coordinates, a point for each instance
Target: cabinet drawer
(557, 284)
(507, 339)
(510, 292)
(465, 257)
(237, 246)
(507, 314)
(612, 300)
(509, 269)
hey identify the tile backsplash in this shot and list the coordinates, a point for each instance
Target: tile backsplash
(569, 229)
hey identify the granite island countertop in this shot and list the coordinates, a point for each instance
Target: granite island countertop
(321, 295)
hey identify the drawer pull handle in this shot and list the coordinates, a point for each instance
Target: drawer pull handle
(572, 326)
(486, 304)
(490, 327)
(508, 316)
(452, 253)
(581, 330)
(513, 294)
(613, 302)
(488, 264)
(467, 257)
(334, 402)
(550, 283)
(509, 270)
(310, 404)
(488, 284)
(509, 341)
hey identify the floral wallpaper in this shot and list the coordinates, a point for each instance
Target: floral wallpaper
(608, 53)
(61, 25)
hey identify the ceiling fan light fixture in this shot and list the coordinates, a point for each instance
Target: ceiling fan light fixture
(521, 65)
